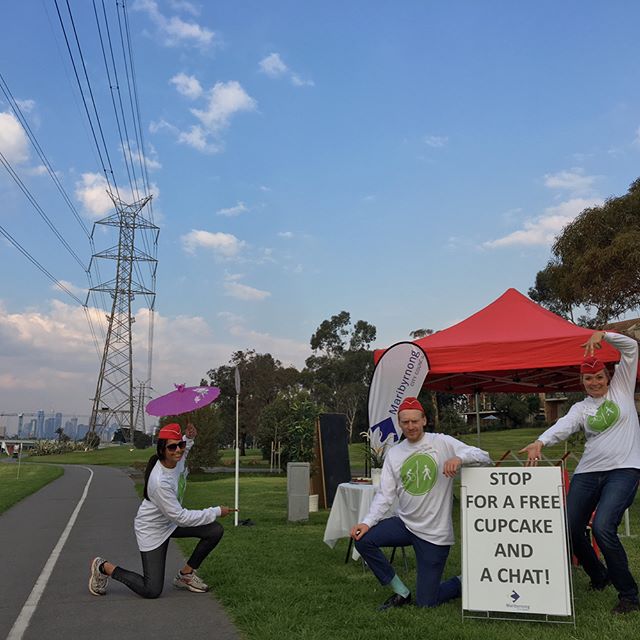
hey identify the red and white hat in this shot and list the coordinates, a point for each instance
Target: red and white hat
(410, 403)
(591, 365)
(170, 432)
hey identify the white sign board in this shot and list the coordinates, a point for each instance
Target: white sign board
(515, 554)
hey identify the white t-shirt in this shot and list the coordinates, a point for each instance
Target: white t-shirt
(412, 473)
(610, 423)
(160, 515)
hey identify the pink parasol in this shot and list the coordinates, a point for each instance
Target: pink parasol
(182, 400)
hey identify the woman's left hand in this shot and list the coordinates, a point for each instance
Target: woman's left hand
(191, 432)
(593, 343)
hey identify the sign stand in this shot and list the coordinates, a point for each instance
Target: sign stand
(515, 545)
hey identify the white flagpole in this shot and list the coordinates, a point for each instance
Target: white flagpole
(237, 381)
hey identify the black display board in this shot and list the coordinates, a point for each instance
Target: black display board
(333, 448)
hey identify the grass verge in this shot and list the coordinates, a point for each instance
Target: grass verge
(279, 580)
(32, 477)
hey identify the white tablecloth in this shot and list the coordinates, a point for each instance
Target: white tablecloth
(350, 505)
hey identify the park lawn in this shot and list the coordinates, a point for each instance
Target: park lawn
(32, 477)
(252, 459)
(495, 442)
(121, 456)
(278, 580)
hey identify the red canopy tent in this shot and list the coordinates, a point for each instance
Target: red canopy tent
(512, 345)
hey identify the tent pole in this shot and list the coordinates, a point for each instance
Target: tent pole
(477, 399)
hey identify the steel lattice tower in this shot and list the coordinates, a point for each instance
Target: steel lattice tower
(115, 399)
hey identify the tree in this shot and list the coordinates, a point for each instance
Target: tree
(596, 262)
(208, 422)
(339, 370)
(515, 408)
(262, 378)
(290, 419)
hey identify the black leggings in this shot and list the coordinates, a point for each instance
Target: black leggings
(150, 584)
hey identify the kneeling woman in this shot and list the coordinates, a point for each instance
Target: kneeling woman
(160, 517)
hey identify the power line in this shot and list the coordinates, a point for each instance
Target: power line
(31, 259)
(39, 209)
(84, 100)
(25, 125)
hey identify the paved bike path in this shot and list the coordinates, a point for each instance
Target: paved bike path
(29, 532)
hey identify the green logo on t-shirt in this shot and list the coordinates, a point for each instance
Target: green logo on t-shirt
(606, 415)
(419, 473)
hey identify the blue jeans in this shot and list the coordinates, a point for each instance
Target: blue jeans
(610, 493)
(430, 560)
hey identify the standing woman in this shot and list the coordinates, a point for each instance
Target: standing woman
(606, 479)
(160, 517)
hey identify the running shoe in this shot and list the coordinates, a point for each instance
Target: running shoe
(97, 580)
(191, 581)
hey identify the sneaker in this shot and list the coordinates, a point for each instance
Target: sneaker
(191, 581)
(626, 606)
(97, 580)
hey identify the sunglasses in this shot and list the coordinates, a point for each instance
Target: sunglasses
(172, 447)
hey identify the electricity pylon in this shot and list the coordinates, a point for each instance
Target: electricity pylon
(114, 399)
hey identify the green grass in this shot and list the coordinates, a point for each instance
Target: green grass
(32, 477)
(495, 442)
(111, 456)
(252, 459)
(279, 580)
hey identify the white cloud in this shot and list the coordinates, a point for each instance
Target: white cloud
(160, 125)
(436, 142)
(274, 66)
(14, 143)
(231, 212)
(91, 192)
(175, 31)
(188, 86)
(574, 180)
(26, 105)
(543, 229)
(244, 292)
(183, 5)
(196, 137)
(78, 291)
(151, 161)
(285, 234)
(48, 359)
(265, 189)
(289, 352)
(225, 245)
(39, 170)
(297, 81)
(224, 100)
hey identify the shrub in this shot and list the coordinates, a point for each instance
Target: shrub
(291, 420)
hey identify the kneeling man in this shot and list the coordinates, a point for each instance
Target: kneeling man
(419, 472)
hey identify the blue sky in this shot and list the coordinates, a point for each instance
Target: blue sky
(406, 162)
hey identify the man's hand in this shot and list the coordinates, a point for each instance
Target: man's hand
(359, 530)
(451, 467)
(225, 511)
(191, 432)
(534, 452)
